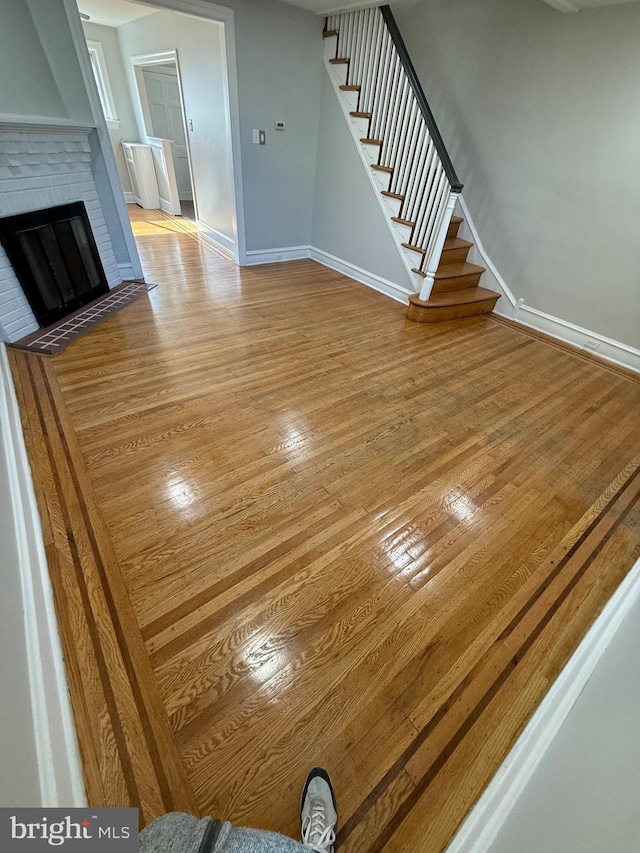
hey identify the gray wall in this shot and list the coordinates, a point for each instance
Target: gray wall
(348, 221)
(279, 50)
(27, 84)
(583, 797)
(128, 130)
(279, 60)
(19, 782)
(538, 110)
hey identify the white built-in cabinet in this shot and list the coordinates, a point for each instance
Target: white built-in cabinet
(142, 172)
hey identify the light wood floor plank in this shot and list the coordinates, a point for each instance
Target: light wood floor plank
(287, 527)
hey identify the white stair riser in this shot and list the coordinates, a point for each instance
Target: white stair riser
(360, 126)
(391, 206)
(414, 259)
(403, 232)
(371, 152)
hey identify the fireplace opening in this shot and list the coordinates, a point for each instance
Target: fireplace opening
(55, 258)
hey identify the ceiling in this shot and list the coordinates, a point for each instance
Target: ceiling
(568, 6)
(324, 6)
(113, 13)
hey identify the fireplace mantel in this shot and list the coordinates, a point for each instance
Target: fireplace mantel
(14, 123)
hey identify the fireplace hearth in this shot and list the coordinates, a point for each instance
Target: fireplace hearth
(55, 258)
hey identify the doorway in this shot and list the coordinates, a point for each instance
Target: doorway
(181, 106)
(167, 121)
(160, 95)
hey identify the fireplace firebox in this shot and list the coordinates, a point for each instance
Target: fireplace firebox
(55, 258)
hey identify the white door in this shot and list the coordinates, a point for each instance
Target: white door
(165, 108)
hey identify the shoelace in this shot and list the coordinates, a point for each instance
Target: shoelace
(315, 833)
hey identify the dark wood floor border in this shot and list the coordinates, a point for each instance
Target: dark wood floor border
(403, 810)
(153, 775)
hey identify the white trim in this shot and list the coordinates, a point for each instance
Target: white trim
(607, 349)
(485, 260)
(104, 140)
(102, 81)
(129, 198)
(481, 827)
(126, 271)
(218, 240)
(113, 124)
(59, 767)
(276, 256)
(382, 285)
(226, 16)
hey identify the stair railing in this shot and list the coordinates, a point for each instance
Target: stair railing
(422, 176)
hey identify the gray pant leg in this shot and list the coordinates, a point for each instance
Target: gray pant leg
(182, 833)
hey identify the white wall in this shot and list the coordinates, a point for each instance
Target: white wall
(128, 130)
(347, 219)
(538, 112)
(202, 68)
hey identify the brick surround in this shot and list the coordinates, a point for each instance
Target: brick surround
(42, 169)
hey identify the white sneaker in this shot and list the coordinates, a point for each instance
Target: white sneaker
(318, 812)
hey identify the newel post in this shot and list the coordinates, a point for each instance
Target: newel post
(434, 261)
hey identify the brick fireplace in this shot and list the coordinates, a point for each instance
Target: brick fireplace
(39, 169)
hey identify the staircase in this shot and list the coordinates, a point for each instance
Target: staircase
(407, 162)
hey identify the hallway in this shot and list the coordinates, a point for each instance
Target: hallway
(287, 527)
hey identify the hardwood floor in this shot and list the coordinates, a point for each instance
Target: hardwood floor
(281, 536)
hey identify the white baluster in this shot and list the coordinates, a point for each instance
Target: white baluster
(434, 261)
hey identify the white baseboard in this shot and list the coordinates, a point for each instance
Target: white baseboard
(276, 256)
(516, 309)
(129, 198)
(482, 825)
(56, 746)
(220, 241)
(583, 339)
(382, 285)
(126, 272)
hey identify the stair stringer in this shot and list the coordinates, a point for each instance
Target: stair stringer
(379, 180)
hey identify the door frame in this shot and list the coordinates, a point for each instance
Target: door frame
(147, 60)
(226, 17)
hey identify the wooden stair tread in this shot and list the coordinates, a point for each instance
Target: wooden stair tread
(339, 60)
(456, 243)
(366, 141)
(397, 196)
(461, 297)
(357, 114)
(461, 268)
(329, 33)
(380, 168)
(402, 221)
(456, 220)
(346, 88)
